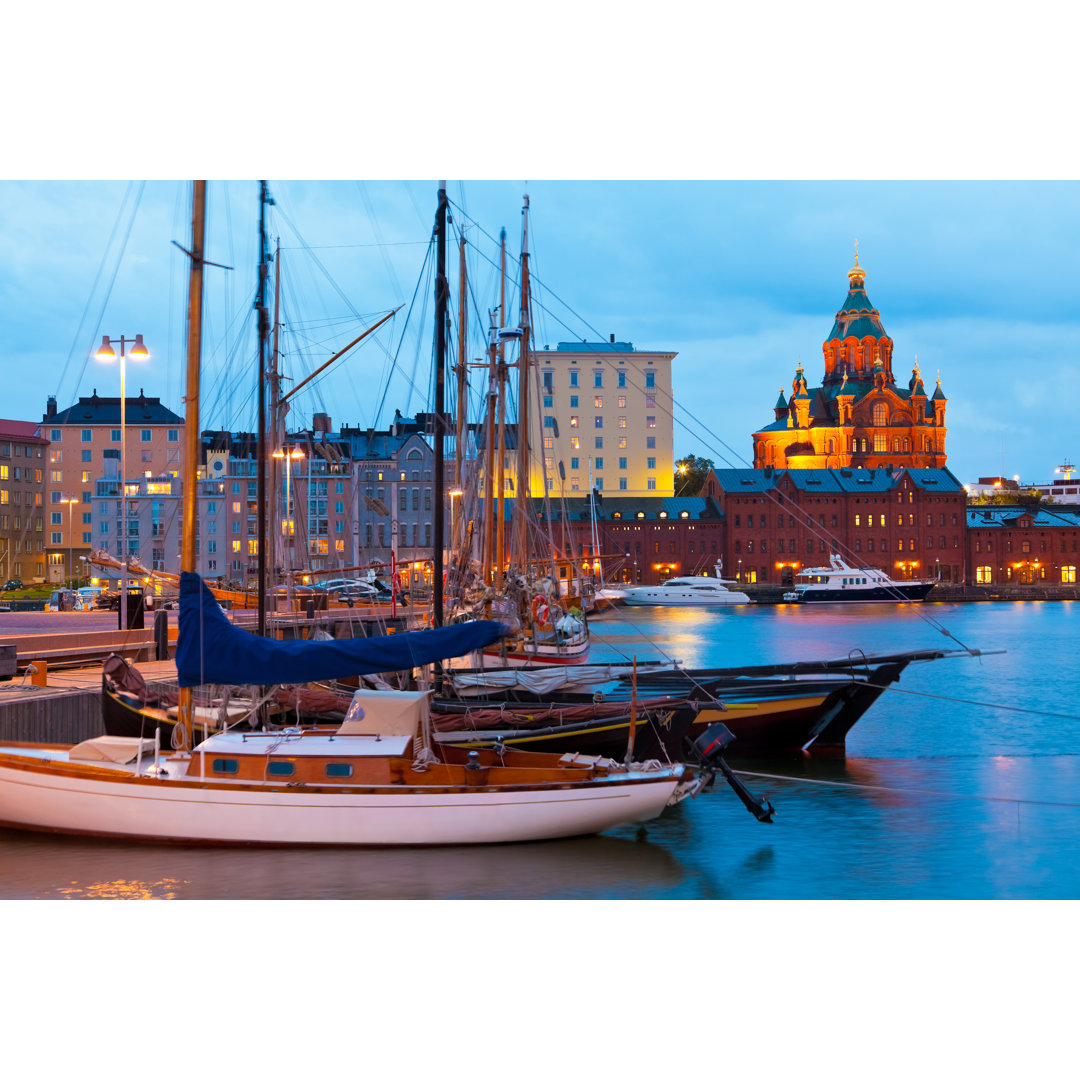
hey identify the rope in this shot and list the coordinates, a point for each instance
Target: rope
(907, 791)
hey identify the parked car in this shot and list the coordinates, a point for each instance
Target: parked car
(12, 585)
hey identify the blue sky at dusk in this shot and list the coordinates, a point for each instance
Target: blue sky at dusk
(740, 278)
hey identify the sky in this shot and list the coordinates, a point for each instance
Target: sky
(978, 280)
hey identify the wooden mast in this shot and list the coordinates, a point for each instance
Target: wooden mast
(441, 297)
(462, 319)
(264, 337)
(522, 517)
(500, 442)
(191, 418)
(488, 502)
(277, 432)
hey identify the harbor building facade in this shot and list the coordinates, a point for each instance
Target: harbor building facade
(1023, 545)
(23, 451)
(859, 416)
(908, 522)
(605, 422)
(80, 439)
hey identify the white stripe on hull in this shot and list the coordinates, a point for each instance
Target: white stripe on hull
(175, 810)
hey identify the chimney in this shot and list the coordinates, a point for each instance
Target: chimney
(612, 339)
(50, 408)
(320, 423)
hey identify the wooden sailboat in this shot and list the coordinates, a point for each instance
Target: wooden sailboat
(375, 779)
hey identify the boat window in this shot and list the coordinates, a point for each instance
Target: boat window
(280, 768)
(226, 765)
(338, 769)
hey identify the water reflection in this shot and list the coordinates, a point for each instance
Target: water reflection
(47, 867)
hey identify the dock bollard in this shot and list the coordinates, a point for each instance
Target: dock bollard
(161, 634)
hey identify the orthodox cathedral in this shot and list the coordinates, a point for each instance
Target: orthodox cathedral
(858, 416)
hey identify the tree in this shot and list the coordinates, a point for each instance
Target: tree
(690, 474)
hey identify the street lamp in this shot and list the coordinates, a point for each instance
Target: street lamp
(71, 540)
(287, 523)
(107, 355)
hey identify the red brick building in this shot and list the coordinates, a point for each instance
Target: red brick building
(859, 416)
(907, 522)
(1014, 544)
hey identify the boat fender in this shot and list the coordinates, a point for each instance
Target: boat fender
(540, 610)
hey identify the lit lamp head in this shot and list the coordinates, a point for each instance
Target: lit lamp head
(105, 354)
(138, 350)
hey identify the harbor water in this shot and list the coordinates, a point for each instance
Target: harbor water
(962, 782)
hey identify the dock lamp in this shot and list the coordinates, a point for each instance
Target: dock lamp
(106, 354)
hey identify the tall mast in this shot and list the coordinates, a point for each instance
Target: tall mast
(191, 416)
(522, 518)
(500, 442)
(264, 337)
(488, 502)
(441, 298)
(462, 317)
(276, 428)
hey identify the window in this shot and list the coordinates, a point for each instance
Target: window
(881, 441)
(280, 768)
(547, 401)
(983, 576)
(650, 421)
(598, 442)
(622, 463)
(145, 435)
(573, 401)
(574, 463)
(650, 401)
(622, 483)
(650, 463)
(573, 421)
(57, 518)
(174, 434)
(56, 476)
(598, 463)
(575, 443)
(549, 421)
(622, 379)
(226, 765)
(598, 378)
(622, 401)
(55, 538)
(54, 434)
(338, 770)
(881, 415)
(650, 442)
(599, 421)
(573, 377)
(549, 380)
(650, 379)
(599, 483)
(598, 401)
(86, 435)
(651, 484)
(622, 443)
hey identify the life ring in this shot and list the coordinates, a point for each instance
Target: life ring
(540, 610)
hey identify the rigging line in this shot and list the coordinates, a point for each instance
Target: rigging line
(97, 279)
(421, 278)
(982, 704)
(906, 791)
(338, 247)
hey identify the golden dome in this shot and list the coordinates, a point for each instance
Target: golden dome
(856, 273)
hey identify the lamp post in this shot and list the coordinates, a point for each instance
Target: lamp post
(107, 355)
(71, 541)
(287, 523)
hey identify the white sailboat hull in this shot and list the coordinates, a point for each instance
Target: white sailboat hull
(46, 796)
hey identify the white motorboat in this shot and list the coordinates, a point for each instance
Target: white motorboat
(840, 583)
(687, 592)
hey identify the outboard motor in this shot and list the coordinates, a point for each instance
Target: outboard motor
(707, 749)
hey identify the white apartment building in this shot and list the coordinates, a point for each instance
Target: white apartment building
(606, 413)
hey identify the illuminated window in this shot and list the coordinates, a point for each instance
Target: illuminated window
(598, 402)
(881, 415)
(622, 421)
(575, 443)
(573, 421)
(650, 421)
(1068, 575)
(881, 441)
(236, 545)
(622, 401)
(622, 443)
(236, 507)
(983, 576)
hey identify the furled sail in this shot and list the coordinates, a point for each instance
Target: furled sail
(209, 649)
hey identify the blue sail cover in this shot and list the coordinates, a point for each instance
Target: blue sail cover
(209, 649)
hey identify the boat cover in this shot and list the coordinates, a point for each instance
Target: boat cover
(209, 649)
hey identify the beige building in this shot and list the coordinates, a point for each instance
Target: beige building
(22, 502)
(80, 439)
(607, 420)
